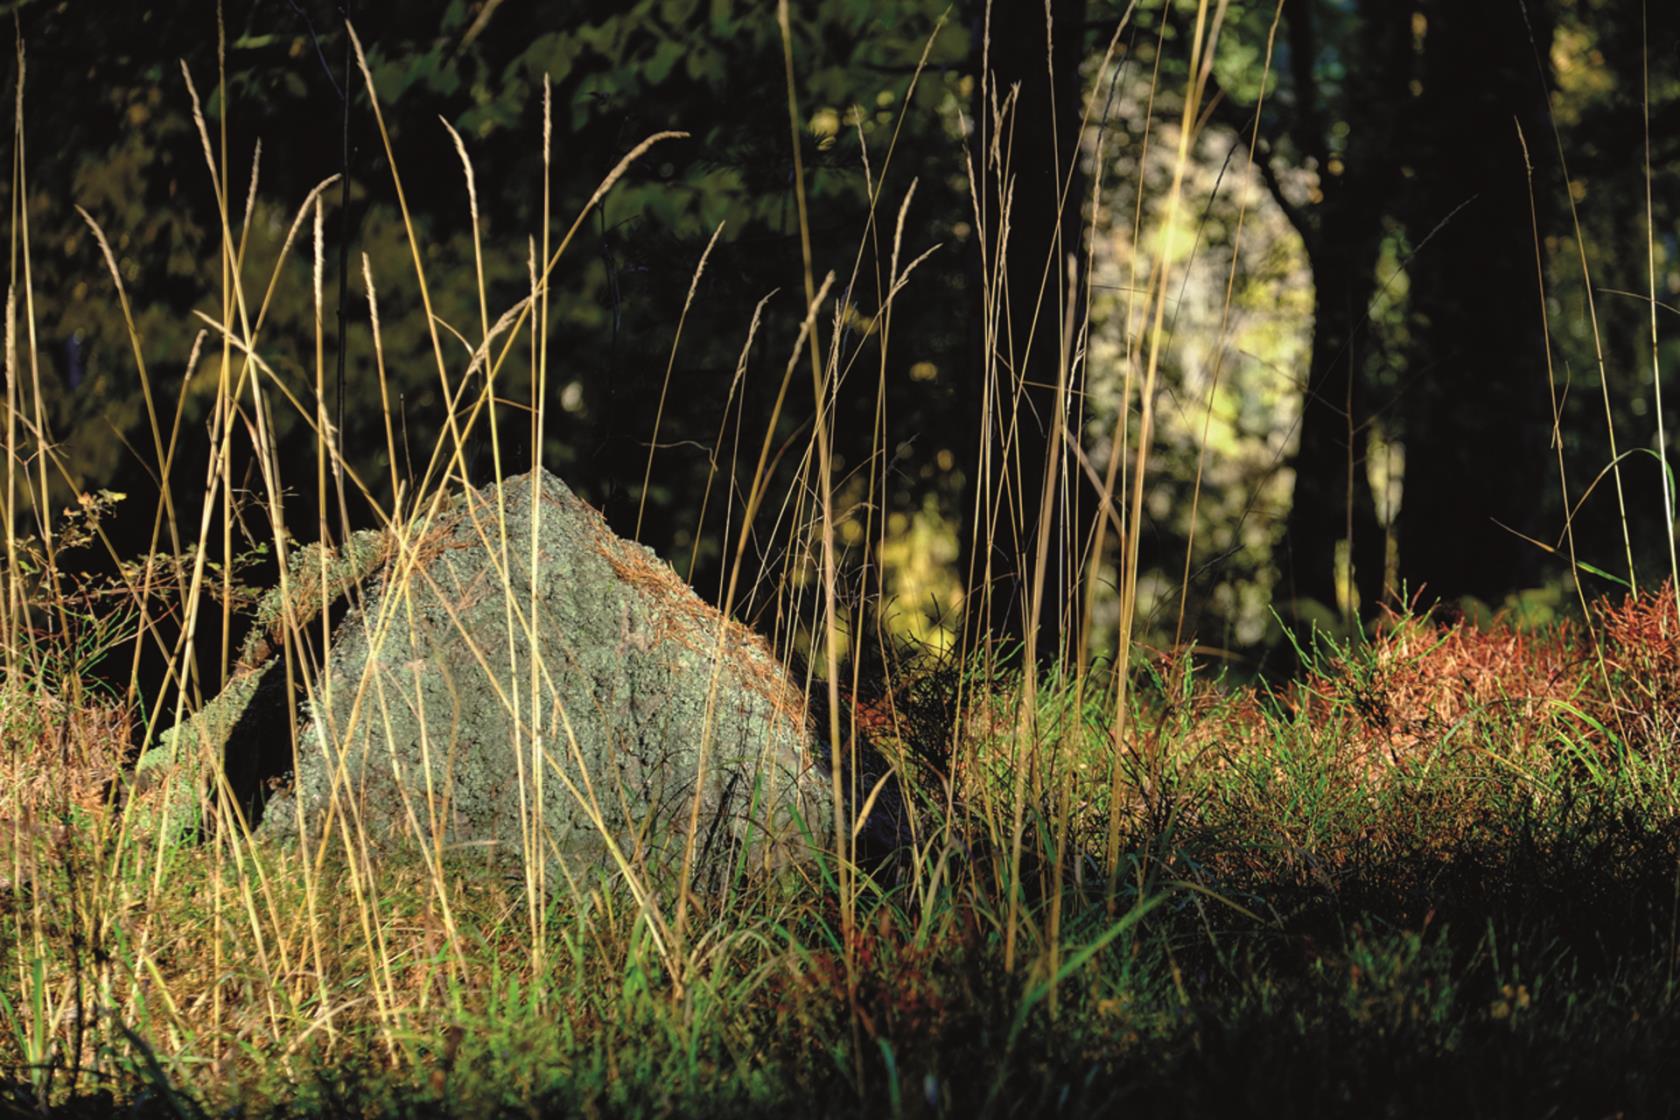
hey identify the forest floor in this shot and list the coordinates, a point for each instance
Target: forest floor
(1438, 873)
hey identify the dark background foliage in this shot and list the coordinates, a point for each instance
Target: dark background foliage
(1389, 147)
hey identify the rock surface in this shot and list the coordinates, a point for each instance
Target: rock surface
(421, 728)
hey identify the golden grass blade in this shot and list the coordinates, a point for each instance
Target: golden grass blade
(670, 364)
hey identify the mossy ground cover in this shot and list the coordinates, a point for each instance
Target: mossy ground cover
(1439, 873)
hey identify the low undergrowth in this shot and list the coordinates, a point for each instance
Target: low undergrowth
(1439, 872)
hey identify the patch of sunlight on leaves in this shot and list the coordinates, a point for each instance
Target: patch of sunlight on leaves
(924, 593)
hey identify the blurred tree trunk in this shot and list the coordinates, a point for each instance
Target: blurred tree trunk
(1343, 230)
(1477, 417)
(1330, 462)
(1047, 188)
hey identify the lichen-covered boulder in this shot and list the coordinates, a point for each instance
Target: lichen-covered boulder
(513, 676)
(241, 738)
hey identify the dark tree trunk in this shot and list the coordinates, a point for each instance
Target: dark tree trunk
(1477, 417)
(1343, 232)
(1334, 428)
(1045, 228)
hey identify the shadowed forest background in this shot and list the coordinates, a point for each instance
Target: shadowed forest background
(1357, 333)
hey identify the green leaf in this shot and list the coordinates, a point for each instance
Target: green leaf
(1602, 574)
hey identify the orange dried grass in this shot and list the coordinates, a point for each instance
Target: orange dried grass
(60, 757)
(1422, 688)
(1641, 650)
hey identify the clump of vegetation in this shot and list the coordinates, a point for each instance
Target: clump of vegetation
(1431, 865)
